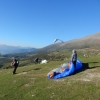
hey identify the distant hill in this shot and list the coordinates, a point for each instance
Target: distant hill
(5, 49)
(92, 41)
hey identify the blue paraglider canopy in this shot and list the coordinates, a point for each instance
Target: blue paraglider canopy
(66, 71)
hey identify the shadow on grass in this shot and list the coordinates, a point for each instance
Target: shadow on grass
(93, 62)
(85, 66)
(37, 69)
(32, 69)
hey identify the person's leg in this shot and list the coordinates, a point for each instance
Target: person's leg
(14, 71)
(74, 62)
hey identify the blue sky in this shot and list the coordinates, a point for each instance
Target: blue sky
(36, 23)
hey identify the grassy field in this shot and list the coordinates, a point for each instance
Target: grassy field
(31, 82)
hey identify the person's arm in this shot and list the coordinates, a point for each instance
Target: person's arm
(76, 57)
(72, 57)
(12, 63)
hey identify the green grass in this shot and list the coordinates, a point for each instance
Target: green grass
(31, 82)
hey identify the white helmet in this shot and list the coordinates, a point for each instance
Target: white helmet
(74, 51)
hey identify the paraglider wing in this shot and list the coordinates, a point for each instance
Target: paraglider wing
(57, 40)
(66, 72)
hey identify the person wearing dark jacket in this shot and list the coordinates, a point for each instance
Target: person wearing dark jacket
(36, 60)
(74, 57)
(15, 63)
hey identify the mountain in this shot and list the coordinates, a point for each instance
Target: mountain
(5, 49)
(92, 41)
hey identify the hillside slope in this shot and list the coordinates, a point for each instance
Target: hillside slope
(92, 41)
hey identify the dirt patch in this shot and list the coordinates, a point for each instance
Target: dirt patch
(22, 73)
(89, 75)
(26, 85)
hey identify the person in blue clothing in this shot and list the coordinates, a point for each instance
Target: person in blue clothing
(74, 57)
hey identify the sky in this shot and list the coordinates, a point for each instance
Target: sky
(37, 23)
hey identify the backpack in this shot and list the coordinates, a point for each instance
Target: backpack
(16, 62)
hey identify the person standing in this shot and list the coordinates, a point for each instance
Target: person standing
(15, 63)
(74, 57)
(36, 60)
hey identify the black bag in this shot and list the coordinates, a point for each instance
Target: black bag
(16, 63)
